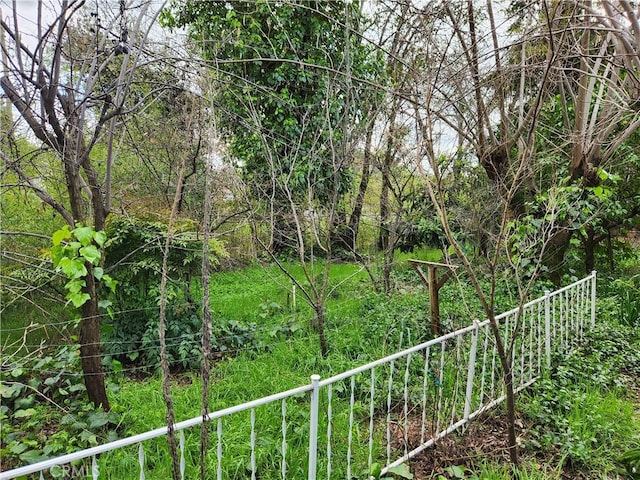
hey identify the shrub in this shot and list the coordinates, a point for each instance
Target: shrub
(44, 411)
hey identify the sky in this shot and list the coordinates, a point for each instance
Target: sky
(27, 11)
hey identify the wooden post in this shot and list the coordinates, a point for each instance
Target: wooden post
(433, 284)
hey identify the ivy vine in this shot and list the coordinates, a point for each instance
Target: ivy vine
(76, 251)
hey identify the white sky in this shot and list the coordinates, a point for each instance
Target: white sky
(27, 12)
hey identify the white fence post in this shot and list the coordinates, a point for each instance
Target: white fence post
(593, 299)
(547, 327)
(471, 371)
(141, 461)
(313, 426)
(293, 295)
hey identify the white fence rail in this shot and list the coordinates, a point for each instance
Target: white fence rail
(390, 410)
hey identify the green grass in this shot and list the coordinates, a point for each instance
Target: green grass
(575, 405)
(23, 328)
(240, 294)
(530, 469)
(584, 414)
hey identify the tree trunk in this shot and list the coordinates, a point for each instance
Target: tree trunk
(511, 415)
(386, 272)
(383, 236)
(90, 328)
(554, 255)
(324, 347)
(90, 347)
(351, 237)
(589, 249)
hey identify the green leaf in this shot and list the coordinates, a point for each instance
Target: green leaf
(25, 402)
(110, 282)
(456, 470)
(18, 448)
(98, 419)
(17, 372)
(77, 387)
(602, 174)
(10, 391)
(98, 272)
(72, 267)
(133, 355)
(89, 437)
(598, 191)
(84, 235)
(116, 365)
(57, 254)
(24, 413)
(100, 237)
(105, 303)
(32, 456)
(60, 235)
(78, 299)
(401, 471)
(71, 249)
(57, 471)
(91, 254)
(75, 285)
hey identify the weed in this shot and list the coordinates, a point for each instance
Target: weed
(631, 462)
(31, 429)
(581, 411)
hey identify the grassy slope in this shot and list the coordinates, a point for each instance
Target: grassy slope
(594, 425)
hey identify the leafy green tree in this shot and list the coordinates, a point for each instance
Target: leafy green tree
(287, 98)
(290, 93)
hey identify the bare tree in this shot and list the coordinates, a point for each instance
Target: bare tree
(461, 85)
(71, 87)
(313, 222)
(598, 89)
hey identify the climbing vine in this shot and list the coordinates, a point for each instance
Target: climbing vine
(77, 253)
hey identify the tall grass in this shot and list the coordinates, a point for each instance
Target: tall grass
(362, 325)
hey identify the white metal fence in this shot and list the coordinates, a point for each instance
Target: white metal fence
(385, 412)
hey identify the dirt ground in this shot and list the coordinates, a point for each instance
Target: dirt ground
(484, 439)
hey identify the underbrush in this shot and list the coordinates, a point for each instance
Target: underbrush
(583, 416)
(578, 418)
(580, 421)
(43, 410)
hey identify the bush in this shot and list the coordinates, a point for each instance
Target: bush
(133, 337)
(135, 256)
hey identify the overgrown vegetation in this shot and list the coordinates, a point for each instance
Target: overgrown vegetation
(584, 414)
(43, 410)
(579, 419)
(310, 149)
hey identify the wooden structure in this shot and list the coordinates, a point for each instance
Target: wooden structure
(434, 284)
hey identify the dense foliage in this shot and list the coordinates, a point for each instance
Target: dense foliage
(134, 257)
(287, 102)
